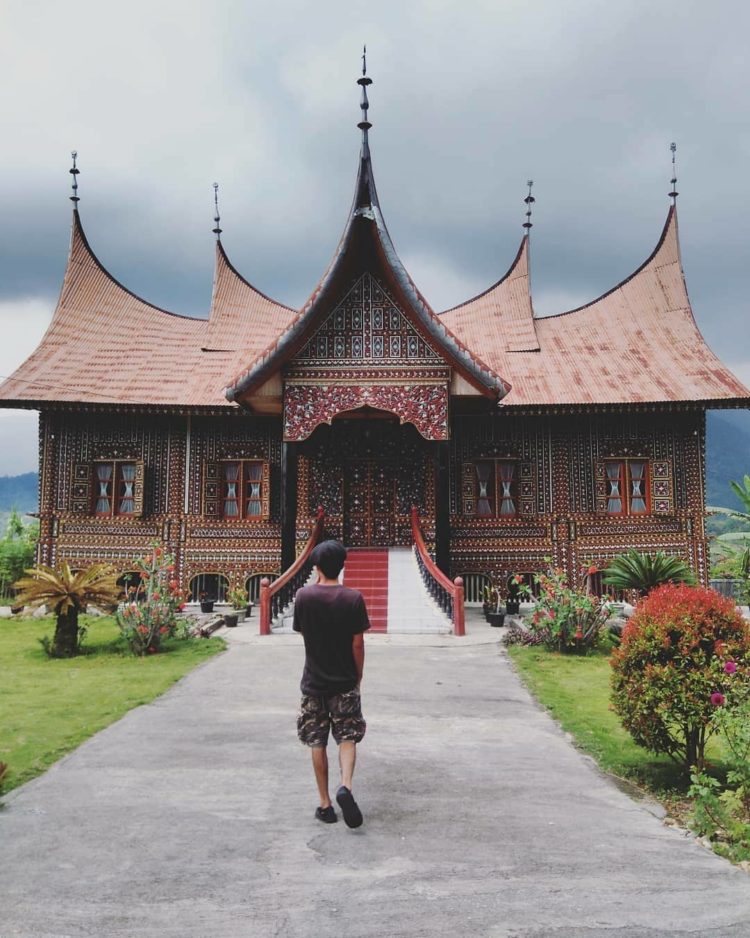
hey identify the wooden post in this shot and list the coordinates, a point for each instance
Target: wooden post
(459, 620)
(265, 607)
(288, 504)
(442, 508)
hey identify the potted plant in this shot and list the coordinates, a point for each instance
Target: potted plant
(207, 605)
(238, 599)
(487, 604)
(518, 590)
(496, 617)
(230, 619)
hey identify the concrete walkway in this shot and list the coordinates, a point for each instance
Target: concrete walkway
(193, 818)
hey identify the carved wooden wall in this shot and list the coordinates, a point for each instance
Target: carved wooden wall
(560, 460)
(177, 453)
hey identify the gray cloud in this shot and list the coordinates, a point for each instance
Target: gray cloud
(469, 101)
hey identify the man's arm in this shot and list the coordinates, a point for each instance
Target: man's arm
(297, 619)
(358, 649)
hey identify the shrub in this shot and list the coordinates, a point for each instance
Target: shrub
(668, 673)
(149, 614)
(566, 619)
(238, 598)
(722, 812)
(518, 635)
(17, 550)
(643, 572)
(67, 593)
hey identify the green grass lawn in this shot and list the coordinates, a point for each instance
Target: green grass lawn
(576, 691)
(48, 706)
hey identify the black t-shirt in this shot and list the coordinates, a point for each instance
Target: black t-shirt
(329, 617)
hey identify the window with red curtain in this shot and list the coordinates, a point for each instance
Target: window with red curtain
(243, 489)
(628, 490)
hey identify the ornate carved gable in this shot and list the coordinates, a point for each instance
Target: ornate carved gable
(366, 353)
(367, 328)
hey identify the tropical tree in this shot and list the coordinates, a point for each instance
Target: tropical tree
(642, 572)
(734, 546)
(16, 550)
(67, 593)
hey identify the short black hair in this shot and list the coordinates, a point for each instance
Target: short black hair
(329, 557)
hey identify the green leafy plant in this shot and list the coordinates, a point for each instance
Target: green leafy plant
(734, 546)
(668, 673)
(721, 812)
(568, 620)
(149, 614)
(238, 598)
(68, 593)
(17, 549)
(643, 572)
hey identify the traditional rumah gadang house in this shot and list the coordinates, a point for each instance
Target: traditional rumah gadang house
(517, 438)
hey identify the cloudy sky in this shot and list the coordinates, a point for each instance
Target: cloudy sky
(469, 100)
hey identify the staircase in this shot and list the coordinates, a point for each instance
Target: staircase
(396, 598)
(411, 609)
(366, 570)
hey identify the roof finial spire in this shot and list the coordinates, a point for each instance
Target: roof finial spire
(529, 201)
(674, 193)
(217, 217)
(74, 171)
(364, 125)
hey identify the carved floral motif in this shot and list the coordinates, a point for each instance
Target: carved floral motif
(307, 406)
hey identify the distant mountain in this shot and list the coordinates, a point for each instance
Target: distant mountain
(727, 454)
(19, 492)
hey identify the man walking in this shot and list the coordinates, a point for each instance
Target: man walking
(332, 618)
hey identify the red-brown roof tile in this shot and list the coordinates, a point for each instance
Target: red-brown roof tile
(106, 345)
(502, 316)
(638, 343)
(242, 317)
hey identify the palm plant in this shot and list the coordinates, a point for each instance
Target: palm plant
(67, 593)
(636, 571)
(735, 545)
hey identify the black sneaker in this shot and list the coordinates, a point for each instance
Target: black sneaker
(349, 807)
(326, 815)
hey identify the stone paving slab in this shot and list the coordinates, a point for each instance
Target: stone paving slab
(192, 817)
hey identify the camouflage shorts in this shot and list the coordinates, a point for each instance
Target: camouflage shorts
(341, 713)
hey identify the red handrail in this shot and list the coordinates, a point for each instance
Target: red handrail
(455, 588)
(268, 590)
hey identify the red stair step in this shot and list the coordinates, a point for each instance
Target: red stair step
(367, 571)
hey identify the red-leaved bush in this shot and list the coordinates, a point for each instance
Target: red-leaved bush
(669, 671)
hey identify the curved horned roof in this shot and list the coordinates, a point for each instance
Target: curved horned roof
(637, 343)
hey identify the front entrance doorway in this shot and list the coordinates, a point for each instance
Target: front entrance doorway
(369, 502)
(366, 473)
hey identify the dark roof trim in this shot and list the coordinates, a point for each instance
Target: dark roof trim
(672, 214)
(247, 283)
(496, 284)
(366, 206)
(78, 226)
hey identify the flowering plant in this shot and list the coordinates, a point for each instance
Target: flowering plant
(518, 587)
(680, 654)
(149, 613)
(570, 620)
(722, 812)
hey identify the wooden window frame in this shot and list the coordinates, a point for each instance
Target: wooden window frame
(626, 483)
(115, 482)
(242, 483)
(494, 495)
